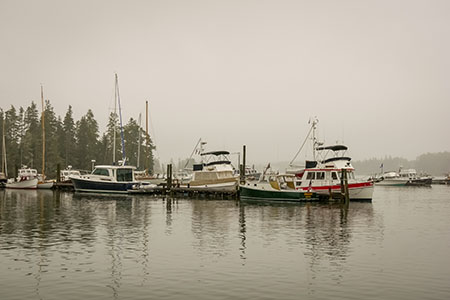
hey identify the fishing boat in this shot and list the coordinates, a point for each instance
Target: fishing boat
(280, 187)
(106, 179)
(27, 178)
(322, 174)
(405, 177)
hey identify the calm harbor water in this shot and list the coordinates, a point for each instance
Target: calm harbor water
(73, 246)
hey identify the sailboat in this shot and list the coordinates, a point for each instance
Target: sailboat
(109, 178)
(42, 183)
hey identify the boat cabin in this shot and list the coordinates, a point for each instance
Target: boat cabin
(27, 173)
(113, 173)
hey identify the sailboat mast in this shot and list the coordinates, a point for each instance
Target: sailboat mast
(115, 114)
(120, 118)
(43, 133)
(4, 164)
(139, 143)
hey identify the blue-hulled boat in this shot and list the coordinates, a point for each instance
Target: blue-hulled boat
(106, 179)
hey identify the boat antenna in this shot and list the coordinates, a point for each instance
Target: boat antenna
(313, 130)
(120, 117)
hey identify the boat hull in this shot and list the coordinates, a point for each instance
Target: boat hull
(99, 186)
(24, 184)
(45, 185)
(266, 193)
(357, 191)
(225, 186)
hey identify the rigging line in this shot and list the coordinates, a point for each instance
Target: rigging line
(193, 151)
(304, 142)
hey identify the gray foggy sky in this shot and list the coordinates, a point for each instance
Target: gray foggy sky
(375, 73)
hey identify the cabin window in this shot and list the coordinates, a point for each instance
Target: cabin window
(298, 183)
(334, 176)
(124, 175)
(102, 172)
(310, 176)
(320, 175)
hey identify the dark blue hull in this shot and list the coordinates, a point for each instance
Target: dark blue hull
(86, 185)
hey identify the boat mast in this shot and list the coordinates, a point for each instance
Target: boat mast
(4, 164)
(120, 118)
(139, 142)
(313, 130)
(115, 114)
(314, 139)
(43, 133)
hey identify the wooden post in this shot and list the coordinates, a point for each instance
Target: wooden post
(344, 186)
(58, 173)
(242, 173)
(169, 177)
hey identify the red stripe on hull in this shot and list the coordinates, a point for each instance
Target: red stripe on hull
(338, 187)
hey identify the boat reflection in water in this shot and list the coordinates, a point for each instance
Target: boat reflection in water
(127, 245)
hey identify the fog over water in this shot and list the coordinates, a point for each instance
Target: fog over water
(375, 73)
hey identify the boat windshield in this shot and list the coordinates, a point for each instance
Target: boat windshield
(100, 171)
(124, 174)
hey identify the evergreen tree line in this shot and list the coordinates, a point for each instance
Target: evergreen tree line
(436, 164)
(69, 142)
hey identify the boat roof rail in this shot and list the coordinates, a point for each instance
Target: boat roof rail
(216, 153)
(333, 148)
(219, 162)
(336, 158)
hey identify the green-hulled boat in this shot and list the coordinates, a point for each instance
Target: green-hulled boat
(277, 188)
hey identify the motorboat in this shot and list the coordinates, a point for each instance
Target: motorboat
(405, 177)
(106, 179)
(67, 173)
(281, 187)
(214, 172)
(27, 178)
(323, 174)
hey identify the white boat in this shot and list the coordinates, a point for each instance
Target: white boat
(323, 173)
(405, 177)
(251, 173)
(106, 179)
(215, 172)
(67, 173)
(26, 179)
